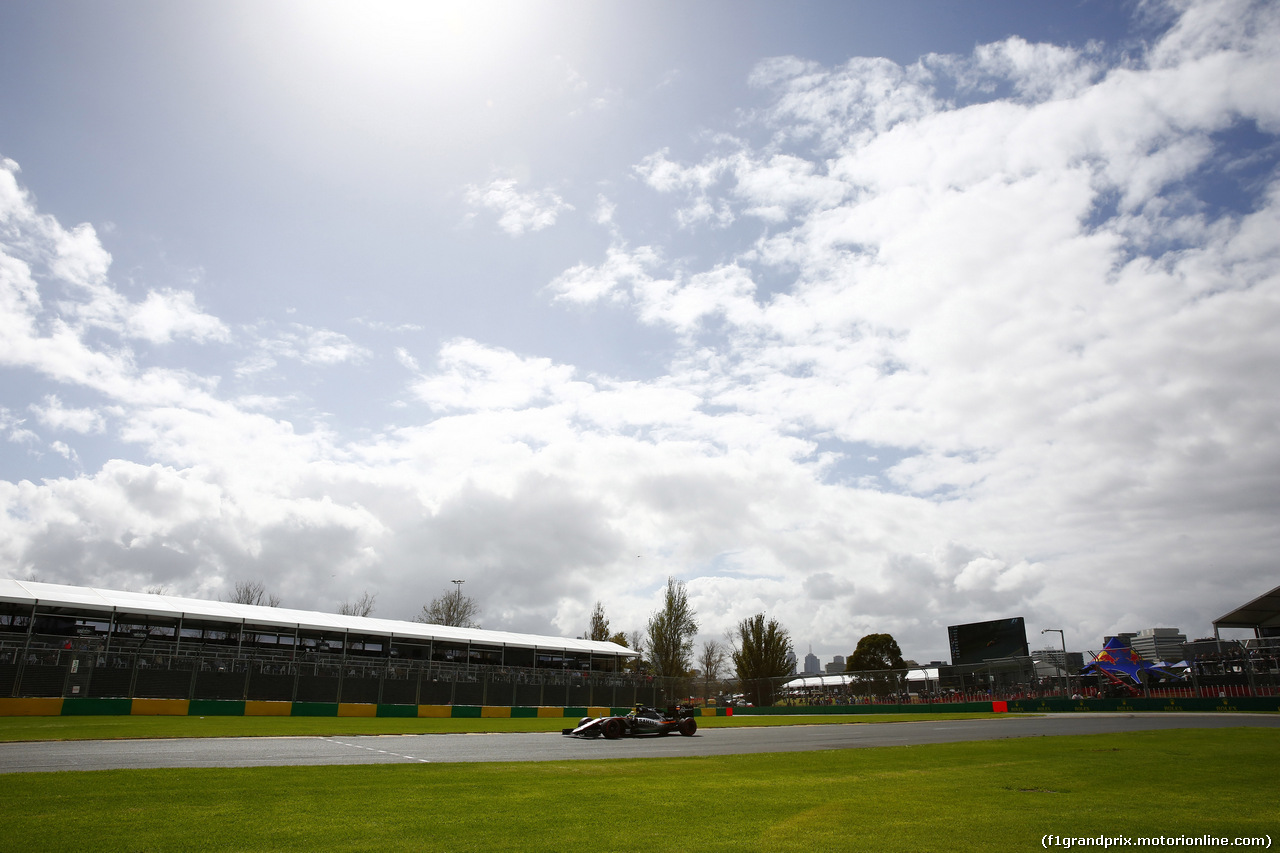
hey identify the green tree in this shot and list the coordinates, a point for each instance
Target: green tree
(630, 641)
(875, 652)
(760, 653)
(671, 632)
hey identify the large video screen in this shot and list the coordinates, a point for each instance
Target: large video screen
(980, 641)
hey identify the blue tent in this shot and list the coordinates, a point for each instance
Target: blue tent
(1118, 661)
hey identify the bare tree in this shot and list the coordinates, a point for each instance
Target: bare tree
(711, 659)
(253, 592)
(362, 606)
(599, 629)
(452, 608)
(158, 589)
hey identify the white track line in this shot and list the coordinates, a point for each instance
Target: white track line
(380, 751)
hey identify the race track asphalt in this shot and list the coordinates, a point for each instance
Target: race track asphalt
(448, 748)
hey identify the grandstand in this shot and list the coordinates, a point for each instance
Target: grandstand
(69, 641)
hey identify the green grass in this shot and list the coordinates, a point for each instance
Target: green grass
(999, 795)
(112, 728)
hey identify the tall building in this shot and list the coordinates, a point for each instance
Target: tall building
(836, 665)
(1054, 657)
(812, 666)
(1159, 644)
(791, 662)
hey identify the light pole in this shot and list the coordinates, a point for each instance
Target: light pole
(457, 610)
(1066, 678)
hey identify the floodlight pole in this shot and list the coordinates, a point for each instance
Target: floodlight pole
(1066, 678)
(457, 606)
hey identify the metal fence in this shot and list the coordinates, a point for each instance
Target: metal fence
(69, 672)
(1216, 670)
(1227, 670)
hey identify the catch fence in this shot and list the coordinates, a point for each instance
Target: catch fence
(1215, 670)
(70, 670)
(35, 672)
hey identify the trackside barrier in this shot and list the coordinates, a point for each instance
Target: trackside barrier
(1226, 705)
(56, 707)
(811, 710)
(1236, 704)
(85, 707)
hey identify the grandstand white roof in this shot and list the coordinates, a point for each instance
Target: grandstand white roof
(106, 601)
(840, 679)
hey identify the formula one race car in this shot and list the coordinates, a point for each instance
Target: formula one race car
(642, 720)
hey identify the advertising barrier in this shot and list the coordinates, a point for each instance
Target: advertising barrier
(236, 708)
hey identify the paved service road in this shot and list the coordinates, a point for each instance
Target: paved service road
(441, 748)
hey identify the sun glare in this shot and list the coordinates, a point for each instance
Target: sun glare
(400, 37)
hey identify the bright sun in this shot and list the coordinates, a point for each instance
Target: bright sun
(401, 37)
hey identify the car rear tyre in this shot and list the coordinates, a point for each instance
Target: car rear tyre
(688, 726)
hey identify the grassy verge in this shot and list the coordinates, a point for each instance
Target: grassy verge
(113, 728)
(1000, 795)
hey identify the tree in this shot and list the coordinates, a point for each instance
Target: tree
(453, 609)
(253, 592)
(760, 655)
(599, 629)
(629, 641)
(711, 660)
(634, 640)
(875, 652)
(671, 632)
(362, 606)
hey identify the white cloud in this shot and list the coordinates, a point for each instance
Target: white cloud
(55, 416)
(405, 358)
(473, 376)
(987, 357)
(380, 326)
(65, 451)
(304, 344)
(696, 182)
(517, 211)
(1038, 72)
(79, 257)
(958, 297)
(604, 211)
(610, 280)
(682, 303)
(162, 316)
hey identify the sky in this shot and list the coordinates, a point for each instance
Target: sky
(870, 317)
